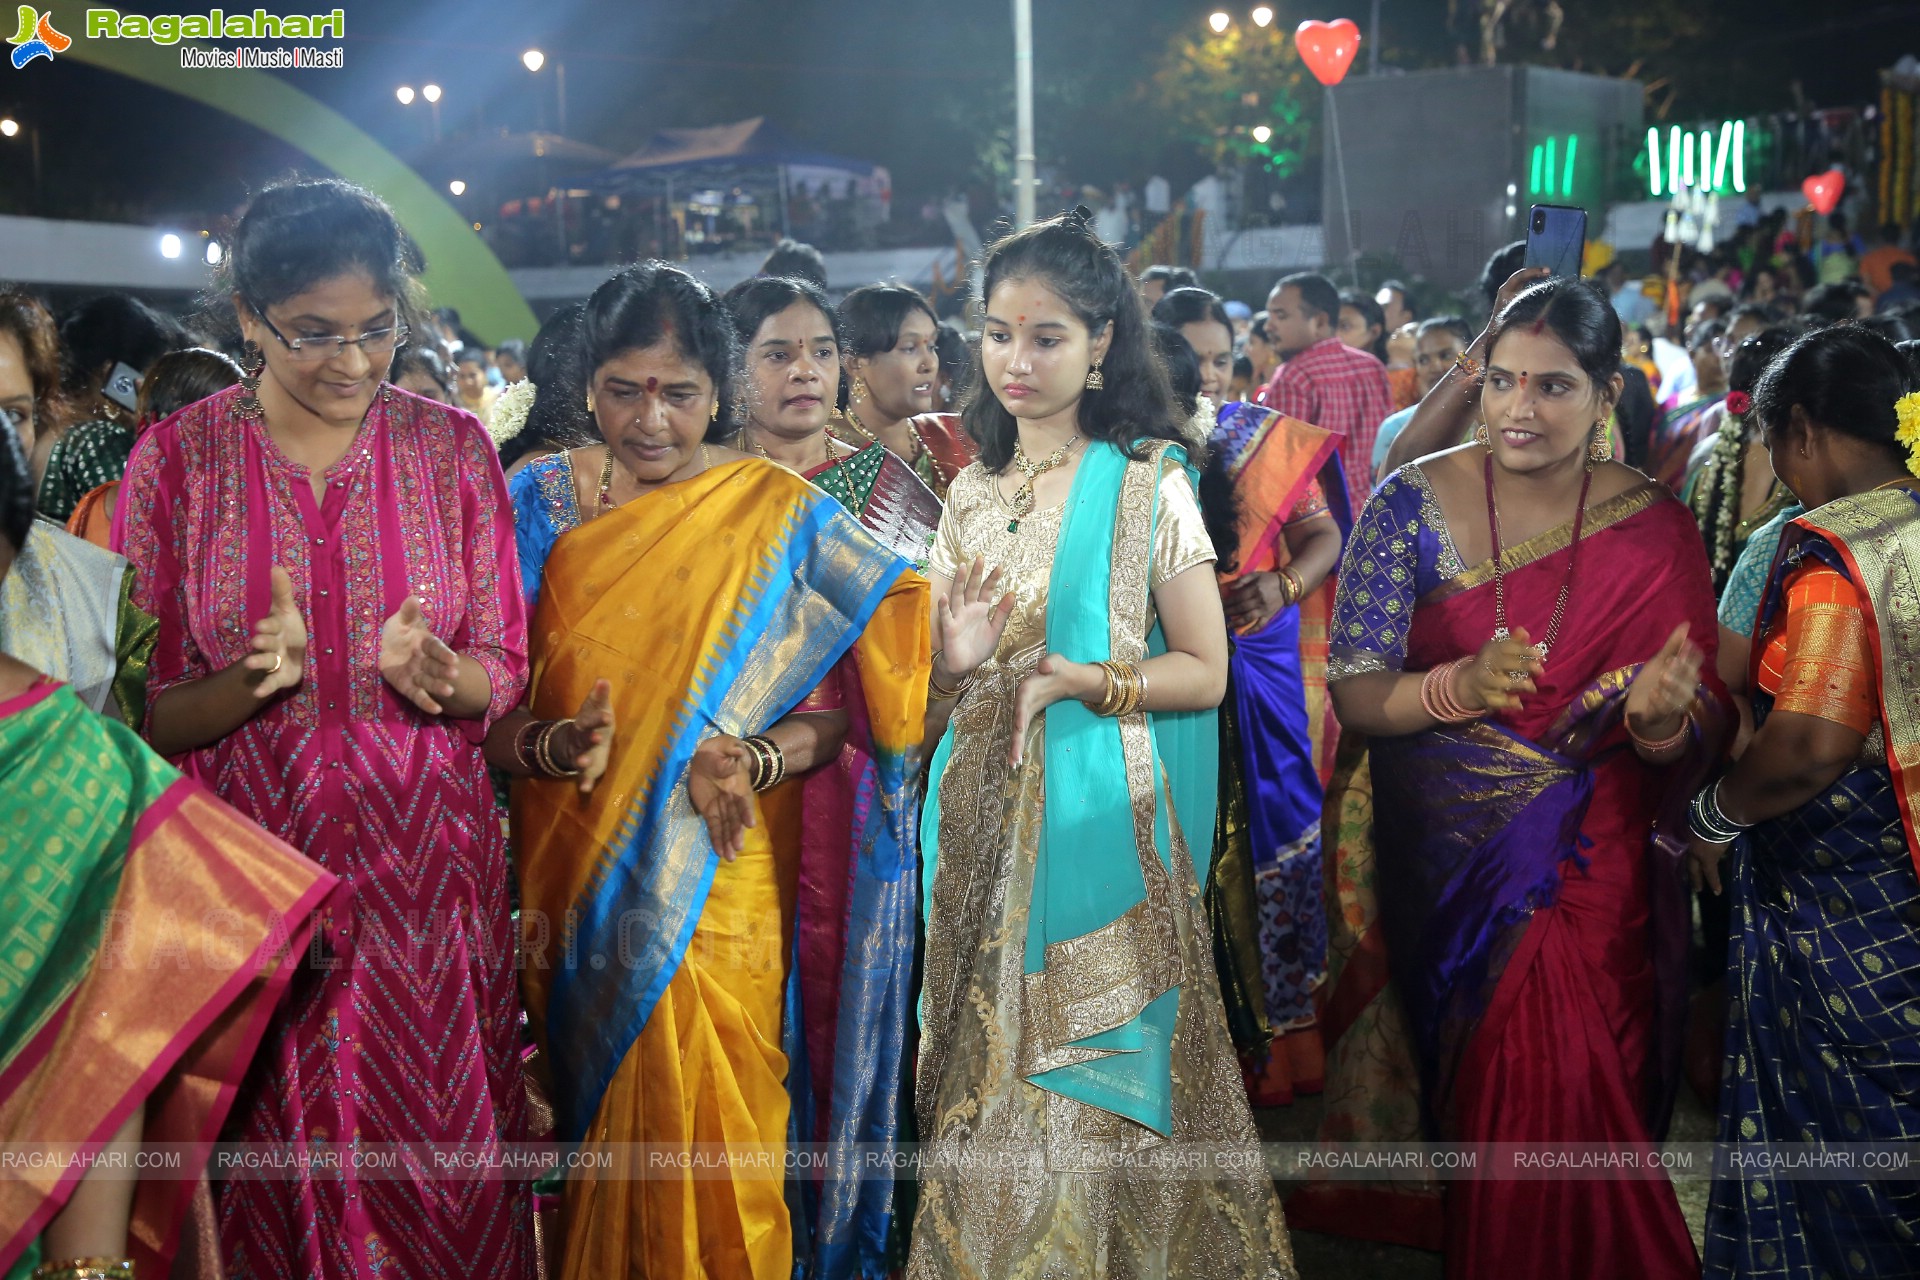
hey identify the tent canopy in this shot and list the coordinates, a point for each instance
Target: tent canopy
(742, 145)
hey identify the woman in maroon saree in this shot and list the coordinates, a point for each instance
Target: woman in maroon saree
(1535, 928)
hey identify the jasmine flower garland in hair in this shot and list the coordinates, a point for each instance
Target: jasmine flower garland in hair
(1907, 411)
(509, 415)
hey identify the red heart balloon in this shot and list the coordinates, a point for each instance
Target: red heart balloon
(1328, 48)
(1823, 190)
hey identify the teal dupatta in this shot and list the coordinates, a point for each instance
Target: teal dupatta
(1103, 971)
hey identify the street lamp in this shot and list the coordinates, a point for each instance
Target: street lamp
(1219, 21)
(458, 187)
(405, 94)
(11, 128)
(431, 93)
(534, 60)
(1262, 16)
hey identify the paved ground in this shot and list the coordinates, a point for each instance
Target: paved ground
(1323, 1257)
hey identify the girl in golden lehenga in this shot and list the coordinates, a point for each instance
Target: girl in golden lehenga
(741, 628)
(1073, 1038)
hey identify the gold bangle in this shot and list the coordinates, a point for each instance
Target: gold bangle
(774, 761)
(86, 1269)
(1109, 702)
(1296, 585)
(761, 765)
(543, 747)
(939, 691)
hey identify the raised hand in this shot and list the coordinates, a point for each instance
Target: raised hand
(588, 741)
(721, 789)
(1516, 284)
(969, 620)
(1503, 670)
(1662, 694)
(279, 642)
(415, 662)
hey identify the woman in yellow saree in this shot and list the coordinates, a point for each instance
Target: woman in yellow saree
(723, 626)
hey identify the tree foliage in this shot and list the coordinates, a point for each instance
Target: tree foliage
(1212, 91)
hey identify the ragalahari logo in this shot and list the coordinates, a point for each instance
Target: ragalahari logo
(37, 38)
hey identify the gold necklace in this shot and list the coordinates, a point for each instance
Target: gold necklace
(1022, 500)
(920, 443)
(833, 456)
(606, 476)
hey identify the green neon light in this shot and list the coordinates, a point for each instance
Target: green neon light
(1673, 160)
(1720, 154)
(1533, 184)
(1549, 167)
(1740, 155)
(1566, 184)
(1706, 159)
(1653, 161)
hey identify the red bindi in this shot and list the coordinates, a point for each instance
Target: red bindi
(1023, 319)
(653, 385)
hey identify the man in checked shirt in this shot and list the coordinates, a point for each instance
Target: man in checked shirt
(1322, 381)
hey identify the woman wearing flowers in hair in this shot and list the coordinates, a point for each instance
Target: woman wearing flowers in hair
(1824, 966)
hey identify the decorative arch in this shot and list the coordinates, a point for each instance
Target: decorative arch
(461, 271)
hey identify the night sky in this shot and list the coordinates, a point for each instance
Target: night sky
(912, 84)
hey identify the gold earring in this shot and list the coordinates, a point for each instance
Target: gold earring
(589, 402)
(1096, 381)
(713, 414)
(859, 391)
(1599, 444)
(1481, 435)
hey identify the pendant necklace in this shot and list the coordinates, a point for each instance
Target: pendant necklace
(1500, 631)
(1022, 500)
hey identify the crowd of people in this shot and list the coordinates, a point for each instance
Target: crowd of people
(752, 725)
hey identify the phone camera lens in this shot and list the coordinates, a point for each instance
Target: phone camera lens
(1539, 221)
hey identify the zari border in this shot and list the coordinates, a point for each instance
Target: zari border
(1878, 533)
(1613, 511)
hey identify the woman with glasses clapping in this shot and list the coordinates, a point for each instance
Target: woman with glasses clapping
(331, 560)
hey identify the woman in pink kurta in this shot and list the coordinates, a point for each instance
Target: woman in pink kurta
(403, 1023)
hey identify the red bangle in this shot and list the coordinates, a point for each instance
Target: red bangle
(1438, 699)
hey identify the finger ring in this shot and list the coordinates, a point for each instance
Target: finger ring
(278, 658)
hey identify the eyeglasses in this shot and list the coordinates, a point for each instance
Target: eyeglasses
(374, 342)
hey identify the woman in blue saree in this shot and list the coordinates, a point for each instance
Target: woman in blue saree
(1280, 481)
(1824, 963)
(1070, 1014)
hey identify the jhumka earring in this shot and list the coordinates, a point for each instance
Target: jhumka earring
(1600, 445)
(859, 391)
(1096, 381)
(1481, 435)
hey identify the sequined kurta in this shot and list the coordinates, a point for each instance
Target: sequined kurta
(1053, 1216)
(403, 1024)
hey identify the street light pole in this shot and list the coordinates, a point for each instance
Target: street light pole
(1024, 181)
(560, 83)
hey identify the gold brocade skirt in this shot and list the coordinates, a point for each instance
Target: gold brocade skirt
(1006, 1186)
